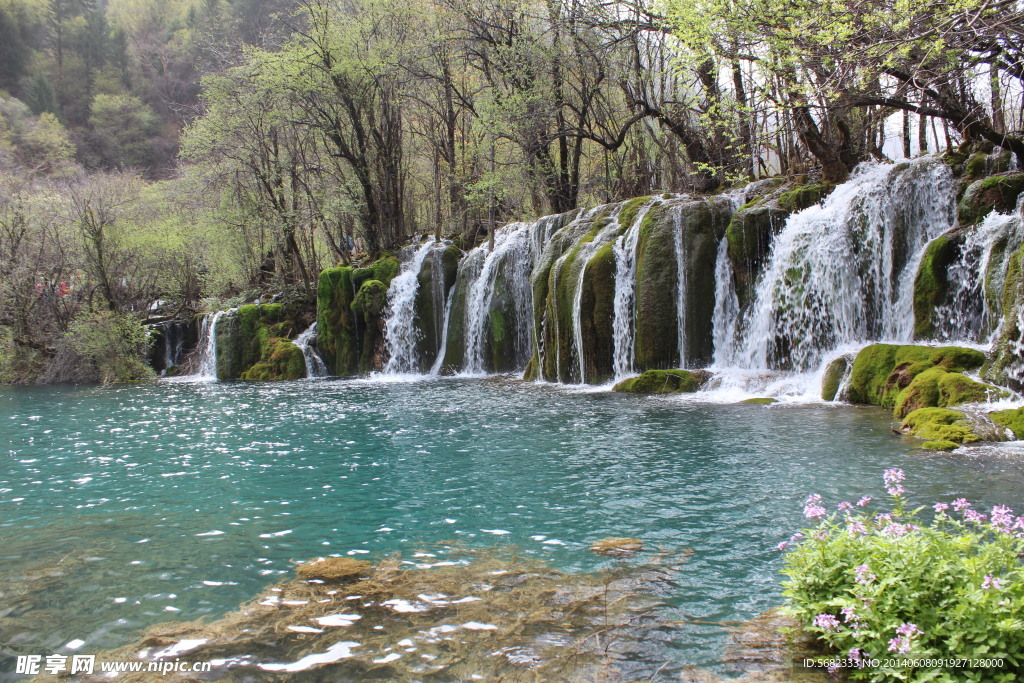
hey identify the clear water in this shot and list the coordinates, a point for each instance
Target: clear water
(124, 507)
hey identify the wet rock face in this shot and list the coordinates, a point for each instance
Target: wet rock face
(252, 343)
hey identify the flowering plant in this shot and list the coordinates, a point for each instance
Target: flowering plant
(902, 599)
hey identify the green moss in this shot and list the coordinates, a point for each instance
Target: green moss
(761, 401)
(336, 323)
(974, 166)
(957, 358)
(280, 360)
(956, 389)
(385, 269)
(871, 370)
(940, 424)
(1011, 419)
(369, 305)
(530, 373)
(999, 365)
(996, 193)
(656, 321)
(804, 196)
(931, 285)
(922, 392)
(833, 377)
(597, 314)
(628, 212)
(663, 382)
(939, 446)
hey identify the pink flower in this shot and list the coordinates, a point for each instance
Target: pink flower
(826, 622)
(974, 516)
(864, 575)
(812, 509)
(844, 506)
(782, 546)
(991, 583)
(899, 644)
(884, 517)
(1002, 518)
(893, 477)
(857, 527)
(941, 507)
(909, 630)
(863, 501)
(961, 504)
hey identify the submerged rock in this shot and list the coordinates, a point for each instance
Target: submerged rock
(617, 546)
(333, 569)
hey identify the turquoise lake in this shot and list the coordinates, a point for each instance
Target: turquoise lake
(124, 507)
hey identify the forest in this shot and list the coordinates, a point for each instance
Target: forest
(162, 159)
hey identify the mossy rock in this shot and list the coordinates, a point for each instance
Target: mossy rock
(956, 389)
(833, 377)
(434, 285)
(656, 322)
(804, 196)
(385, 269)
(628, 212)
(337, 330)
(1004, 362)
(870, 374)
(975, 166)
(370, 304)
(617, 546)
(883, 374)
(940, 424)
(996, 193)
(939, 446)
(931, 284)
(244, 337)
(281, 360)
(664, 382)
(1012, 419)
(597, 315)
(922, 392)
(760, 401)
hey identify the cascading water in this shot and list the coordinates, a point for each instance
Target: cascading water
(400, 331)
(208, 346)
(975, 280)
(843, 271)
(509, 266)
(315, 366)
(584, 253)
(726, 317)
(623, 329)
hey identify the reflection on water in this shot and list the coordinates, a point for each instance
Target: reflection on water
(126, 507)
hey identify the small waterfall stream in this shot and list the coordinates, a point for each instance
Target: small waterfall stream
(315, 366)
(400, 332)
(623, 328)
(208, 346)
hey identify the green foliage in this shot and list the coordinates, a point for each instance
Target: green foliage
(123, 125)
(890, 591)
(115, 343)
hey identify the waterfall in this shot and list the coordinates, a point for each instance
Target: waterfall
(726, 316)
(315, 366)
(843, 271)
(435, 369)
(623, 329)
(208, 346)
(583, 254)
(681, 288)
(511, 262)
(400, 331)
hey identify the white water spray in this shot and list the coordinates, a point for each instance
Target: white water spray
(400, 331)
(315, 366)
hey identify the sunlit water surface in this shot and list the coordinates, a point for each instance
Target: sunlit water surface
(125, 507)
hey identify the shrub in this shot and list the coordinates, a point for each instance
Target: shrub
(115, 343)
(888, 591)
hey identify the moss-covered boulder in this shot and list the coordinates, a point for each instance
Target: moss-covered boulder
(833, 378)
(804, 196)
(245, 337)
(369, 305)
(664, 382)
(931, 284)
(940, 425)
(383, 270)
(891, 376)
(455, 351)
(280, 360)
(337, 326)
(1011, 419)
(995, 193)
(760, 401)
